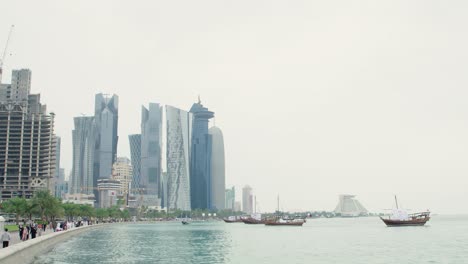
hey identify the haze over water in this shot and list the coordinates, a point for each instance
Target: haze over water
(339, 240)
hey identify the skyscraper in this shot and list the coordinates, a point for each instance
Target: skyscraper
(57, 166)
(200, 161)
(135, 154)
(151, 137)
(106, 113)
(27, 140)
(84, 140)
(178, 136)
(218, 184)
(247, 200)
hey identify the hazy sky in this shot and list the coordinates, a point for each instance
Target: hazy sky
(315, 98)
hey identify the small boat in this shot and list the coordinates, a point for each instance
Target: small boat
(279, 221)
(400, 217)
(185, 222)
(233, 219)
(285, 222)
(254, 219)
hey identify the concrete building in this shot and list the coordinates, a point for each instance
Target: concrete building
(27, 140)
(348, 206)
(200, 160)
(230, 199)
(123, 172)
(218, 178)
(179, 126)
(247, 200)
(108, 190)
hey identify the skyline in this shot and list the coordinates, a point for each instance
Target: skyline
(314, 99)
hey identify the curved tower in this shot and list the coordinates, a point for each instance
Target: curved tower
(218, 184)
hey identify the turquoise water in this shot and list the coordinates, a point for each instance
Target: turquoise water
(338, 240)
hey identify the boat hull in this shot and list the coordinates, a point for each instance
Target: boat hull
(251, 221)
(284, 224)
(411, 222)
(232, 221)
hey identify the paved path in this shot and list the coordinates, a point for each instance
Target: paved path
(15, 239)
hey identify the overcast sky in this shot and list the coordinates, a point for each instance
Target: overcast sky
(315, 98)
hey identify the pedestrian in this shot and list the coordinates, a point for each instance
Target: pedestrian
(6, 238)
(20, 229)
(25, 234)
(33, 231)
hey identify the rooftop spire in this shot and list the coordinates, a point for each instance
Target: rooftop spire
(199, 100)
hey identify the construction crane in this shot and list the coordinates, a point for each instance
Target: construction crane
(2, 60)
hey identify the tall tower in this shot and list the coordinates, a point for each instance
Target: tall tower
(151, 137)
(82, 180)
(218, 184)
(178, 136)
(135, 155)
(106, 115)
(200, 161)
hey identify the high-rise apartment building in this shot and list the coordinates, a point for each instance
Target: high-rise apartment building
(123, 172)
(178, 143)
(27, 140)
(230, 198)
(247, 200)
(218, 183)
(200, 160)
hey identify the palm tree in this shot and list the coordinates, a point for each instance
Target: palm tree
(17, 206)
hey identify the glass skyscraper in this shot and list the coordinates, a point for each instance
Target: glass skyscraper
(106, 113)
(84, 138)
(135, 154)
(151, 137)
(200, 162)
(178, 143)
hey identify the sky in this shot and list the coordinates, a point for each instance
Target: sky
(314, 98)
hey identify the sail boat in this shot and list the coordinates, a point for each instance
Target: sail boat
(400, 217)
(279, 221)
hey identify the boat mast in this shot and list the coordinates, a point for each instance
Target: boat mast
(396, 202)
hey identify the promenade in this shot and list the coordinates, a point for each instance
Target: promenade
(15, 239)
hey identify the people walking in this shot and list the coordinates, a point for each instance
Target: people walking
(20, 229)
(6, 238)
(25, 234)
(33, 231)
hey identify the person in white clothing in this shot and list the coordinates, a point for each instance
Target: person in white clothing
(6, 238)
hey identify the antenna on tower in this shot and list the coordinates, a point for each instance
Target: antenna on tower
(2, 60)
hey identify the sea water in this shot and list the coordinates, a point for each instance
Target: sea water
(444, 239)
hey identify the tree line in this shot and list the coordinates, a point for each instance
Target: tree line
(49, 208)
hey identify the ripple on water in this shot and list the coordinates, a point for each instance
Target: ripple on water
(362, 240)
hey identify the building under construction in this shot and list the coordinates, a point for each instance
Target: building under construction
(27, 139)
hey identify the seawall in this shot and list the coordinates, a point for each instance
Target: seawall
(25, 252)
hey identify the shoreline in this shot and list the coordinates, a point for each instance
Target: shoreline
(27, 251)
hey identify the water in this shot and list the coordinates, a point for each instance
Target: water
(354, 240)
